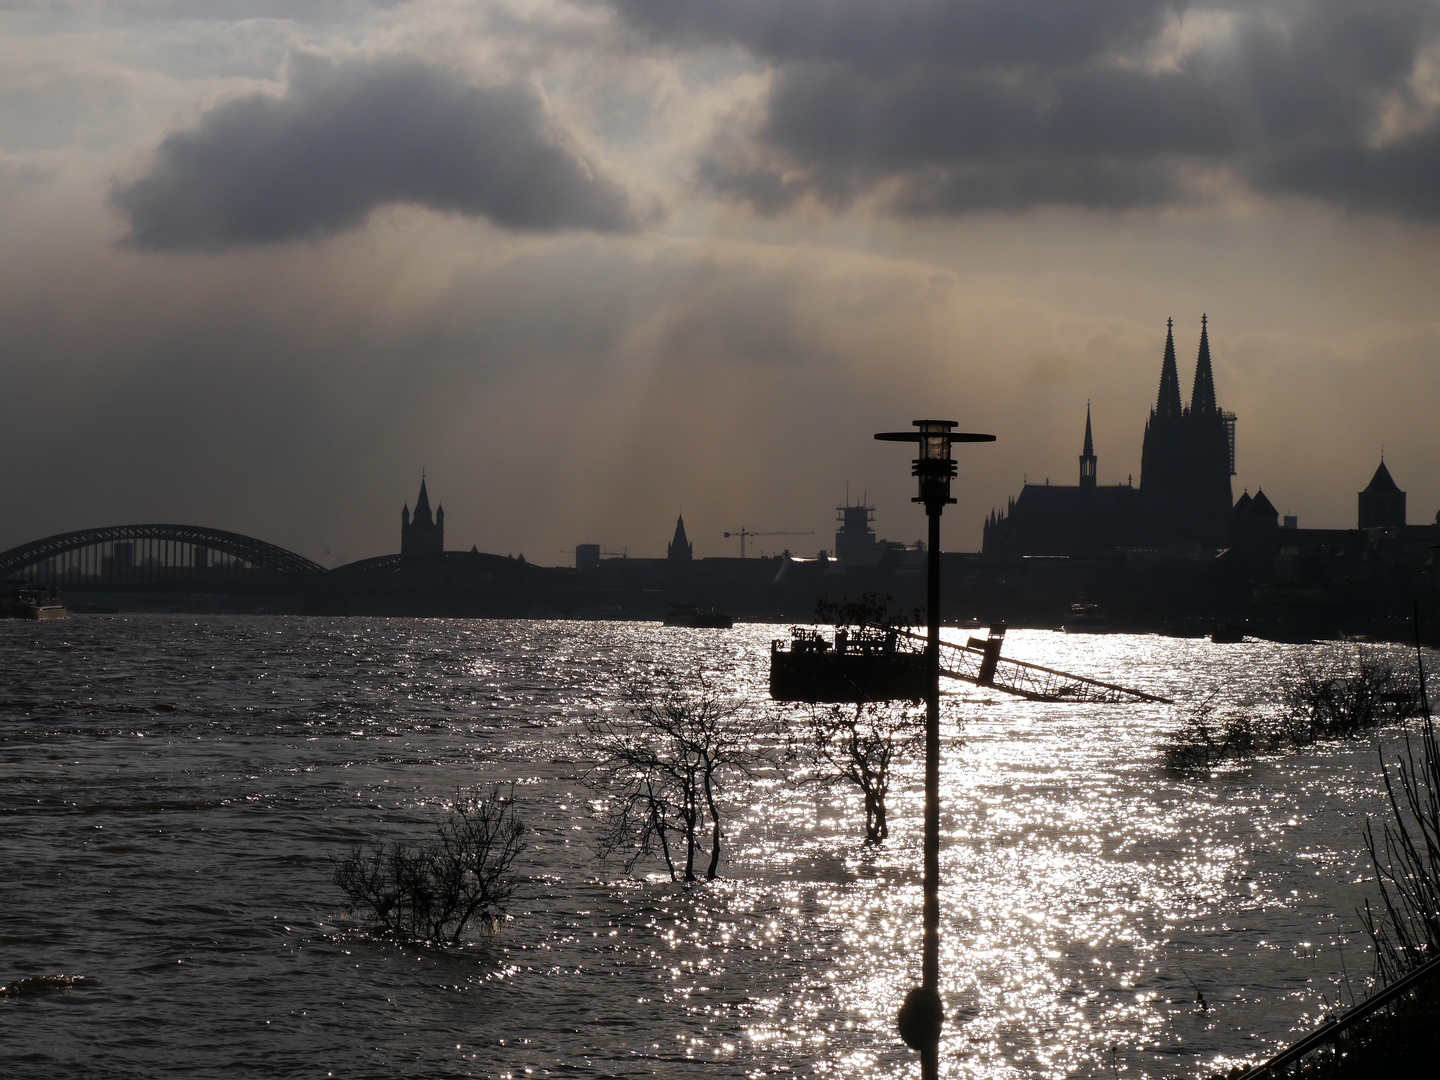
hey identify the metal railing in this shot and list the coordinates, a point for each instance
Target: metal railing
(1334, 1027)
(1033, 681)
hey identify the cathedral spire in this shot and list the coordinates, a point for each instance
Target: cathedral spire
(1202, 397)
(1087, 455)
(1168, 405)
(422, 503)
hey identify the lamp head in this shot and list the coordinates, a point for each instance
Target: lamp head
(933, 467)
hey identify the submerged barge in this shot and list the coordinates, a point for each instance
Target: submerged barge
(870, 664)
(878, 663)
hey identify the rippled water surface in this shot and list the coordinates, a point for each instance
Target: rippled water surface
(172, 788)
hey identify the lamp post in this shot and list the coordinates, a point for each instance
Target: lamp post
(922, 1015)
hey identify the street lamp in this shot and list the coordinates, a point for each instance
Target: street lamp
(923, 1014)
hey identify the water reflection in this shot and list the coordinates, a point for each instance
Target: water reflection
(171, 787)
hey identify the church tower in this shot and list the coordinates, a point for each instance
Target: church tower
(422, 534)
(1382, 503)
(1087, 457)
(1188, 455)
(1210, 442)
(1162, 454)
(681, 550)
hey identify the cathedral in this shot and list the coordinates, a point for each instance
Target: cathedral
(1188, 456)
(1184, 498)
(422, 534)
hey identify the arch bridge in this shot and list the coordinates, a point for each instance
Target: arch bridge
(187, 557)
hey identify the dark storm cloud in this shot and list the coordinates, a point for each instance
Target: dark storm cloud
(348, 138)
(955, 106)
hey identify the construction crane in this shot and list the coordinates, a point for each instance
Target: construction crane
(744, 532)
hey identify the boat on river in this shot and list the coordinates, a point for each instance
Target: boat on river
(1084, 619)
(697, 618)
(41, 603)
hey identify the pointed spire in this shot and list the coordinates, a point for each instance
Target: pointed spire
(1168, 405)
(1087, 456)
(422, 502)
(1202, 397)
(680, 547)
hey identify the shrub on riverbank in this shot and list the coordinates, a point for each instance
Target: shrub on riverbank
(432, 892)
(1397, 1039)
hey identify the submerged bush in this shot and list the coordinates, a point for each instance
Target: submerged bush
(1373, 690)
(1324, 701)
(431, 892)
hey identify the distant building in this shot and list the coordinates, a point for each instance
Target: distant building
(422, 534)
(855, 542)
(1382, 503)
(681, 550)
(1255, 528)
(1187, 459)
(587, 556)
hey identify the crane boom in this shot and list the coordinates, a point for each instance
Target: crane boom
(743, 532)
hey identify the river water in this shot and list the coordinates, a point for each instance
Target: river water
(172, 789)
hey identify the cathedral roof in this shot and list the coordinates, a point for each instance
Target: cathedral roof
(1202, 397)
(1168, 404)
(1381, 481)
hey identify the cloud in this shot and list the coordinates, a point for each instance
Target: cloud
(348, 138)
(940, 107)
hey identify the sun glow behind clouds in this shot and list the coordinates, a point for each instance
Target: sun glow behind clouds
(711, 263)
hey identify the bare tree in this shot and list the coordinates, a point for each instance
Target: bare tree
(661, 766)
(431, 892)
(859, 745)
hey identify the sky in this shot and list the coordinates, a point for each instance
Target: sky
(590, 264)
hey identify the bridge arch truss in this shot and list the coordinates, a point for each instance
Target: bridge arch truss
(148, 556)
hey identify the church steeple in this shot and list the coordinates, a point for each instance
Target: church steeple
(1167, 406)
(1087, 455)
(422, 533)
(1202, 397)
(422, 503)
(681, 550)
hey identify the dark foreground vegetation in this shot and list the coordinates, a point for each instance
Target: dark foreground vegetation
(1339, 697)
(1397, 1039)
(431, 892)
(1396, 1044)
